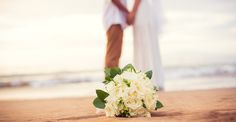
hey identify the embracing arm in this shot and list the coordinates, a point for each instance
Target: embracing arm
(131, 16)
(136, 5)
(120, 6)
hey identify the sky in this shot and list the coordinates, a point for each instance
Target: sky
(68, 35)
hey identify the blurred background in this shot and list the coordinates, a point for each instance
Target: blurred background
(56, 48)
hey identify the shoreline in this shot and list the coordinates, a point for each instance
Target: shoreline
(41, 90)
(199, 105)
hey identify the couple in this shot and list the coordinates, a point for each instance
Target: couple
(145, 17)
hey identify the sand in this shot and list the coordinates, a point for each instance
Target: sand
(205, 105)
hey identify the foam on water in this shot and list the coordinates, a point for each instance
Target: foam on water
(38, 80)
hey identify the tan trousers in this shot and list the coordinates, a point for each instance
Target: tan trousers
(114, 46)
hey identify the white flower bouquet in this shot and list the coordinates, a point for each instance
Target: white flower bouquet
(128, 93)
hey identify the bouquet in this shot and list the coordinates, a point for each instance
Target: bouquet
(128, 93)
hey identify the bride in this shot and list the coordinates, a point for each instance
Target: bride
(147, 20)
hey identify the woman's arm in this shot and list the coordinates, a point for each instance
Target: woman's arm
(120, 6)
(131, 16)
(136, 5)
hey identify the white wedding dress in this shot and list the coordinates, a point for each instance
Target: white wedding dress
(146, 28)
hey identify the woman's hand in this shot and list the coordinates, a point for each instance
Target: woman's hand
(132, 14)
(131, 18)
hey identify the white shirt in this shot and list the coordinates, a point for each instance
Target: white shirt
(112, 15)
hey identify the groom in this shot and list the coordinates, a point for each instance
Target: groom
(115, 15)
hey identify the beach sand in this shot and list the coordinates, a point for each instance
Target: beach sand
(199, 105)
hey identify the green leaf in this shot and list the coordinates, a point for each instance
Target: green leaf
(102, 94)
(156, 88)
(99, 103)
(149, 74)
(114, 72)
(127, 67)
(107, 72)
(110, 73)
(158, 105)
(126, 82)
(106, 81)
(144, 104)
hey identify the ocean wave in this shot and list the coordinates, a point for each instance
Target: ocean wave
(40, 80)
(181, 72)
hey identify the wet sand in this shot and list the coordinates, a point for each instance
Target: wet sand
(205, 105)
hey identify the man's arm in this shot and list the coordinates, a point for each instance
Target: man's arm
(120, 6)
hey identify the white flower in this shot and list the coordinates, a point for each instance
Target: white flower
(129, 76)
(130, 94)
(118, 79)
(133, 102)
(150, 101)
(142, 112)
(111, 108)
